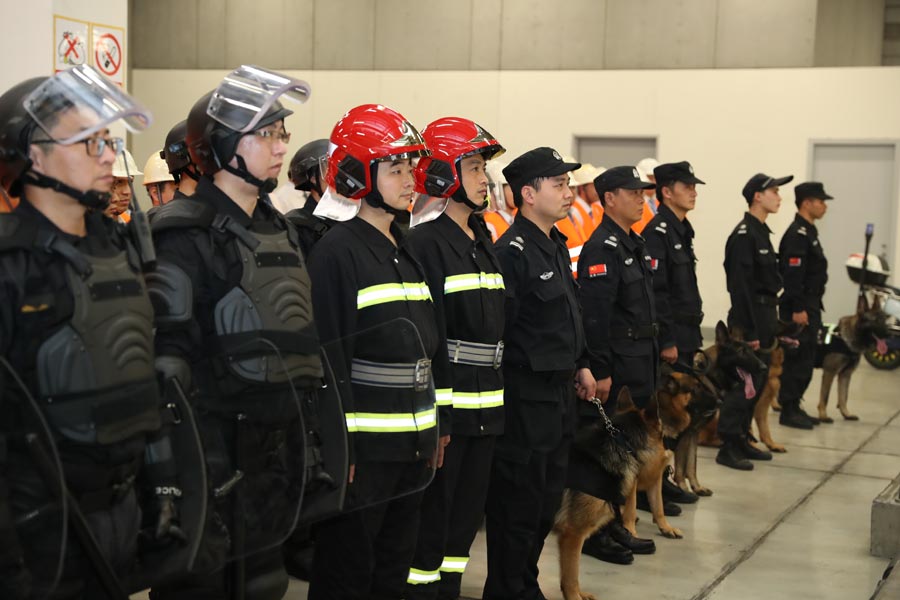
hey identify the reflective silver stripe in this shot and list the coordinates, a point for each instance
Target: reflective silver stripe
(391, 375)
(391, 422)
(477, 400)
(443, 396)
(473, 281)
(392, 292)
(454, 564)
(418, 576)
(475, 353)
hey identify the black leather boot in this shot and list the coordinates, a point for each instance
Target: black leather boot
(730, 455)
(622, 536)
(752, 452)
(673, 493)
(602, 547)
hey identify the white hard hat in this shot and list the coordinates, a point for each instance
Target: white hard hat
(122, 159)
(585, 175)
(645, 167)
(156, 170)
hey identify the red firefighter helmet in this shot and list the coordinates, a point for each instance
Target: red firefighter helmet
(366, 135)
(451, 139)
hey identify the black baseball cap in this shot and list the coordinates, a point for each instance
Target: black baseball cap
(679, 171)
(625, 177)
(540, 162)
(810, 189)
(761, 182)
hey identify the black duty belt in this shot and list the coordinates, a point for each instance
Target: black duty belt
(640, 332)
(765, 300)
(415, 375)
(475, 353)
(689, 319)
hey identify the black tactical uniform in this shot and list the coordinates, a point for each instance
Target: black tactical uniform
(544, 345)
(362, 285)
(310, 228)
(467, 287)
(59, 295)
(804, 270)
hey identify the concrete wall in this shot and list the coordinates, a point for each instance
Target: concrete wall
(728, 123)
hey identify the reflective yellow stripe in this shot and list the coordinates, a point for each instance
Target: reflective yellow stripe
(391, 422)
(418, 577)
(443, 397)
(476, 400)
(392, 292)
(473, 281)
(454, 564)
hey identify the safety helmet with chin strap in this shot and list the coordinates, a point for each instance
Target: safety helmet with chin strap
(311, 160)
(30, 112)
(175, 153)
(245, 101)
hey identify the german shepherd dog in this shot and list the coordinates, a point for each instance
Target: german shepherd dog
(729, 363)
(785, 337)
(856, 333)
(635, 456)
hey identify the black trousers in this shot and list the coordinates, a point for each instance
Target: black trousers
(366, 553)
(799, 363)
(452, 510)
(265, 579)
(736, 413)
(523, 498)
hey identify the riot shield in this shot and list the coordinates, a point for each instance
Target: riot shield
(255, 449)
(34, 487)
(164, 560)
(384, 378)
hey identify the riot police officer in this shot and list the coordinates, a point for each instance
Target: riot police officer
(620, 327)
(751, 270)
(178, 158)
(463, 274)
(235, 328)
(544, 366)
(804, 270)
(76, 347)
(307, 173)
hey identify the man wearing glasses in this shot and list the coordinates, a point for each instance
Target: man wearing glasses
(77, 380)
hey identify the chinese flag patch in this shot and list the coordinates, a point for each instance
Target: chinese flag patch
(597, 270)
(794, 261)
(654, 263)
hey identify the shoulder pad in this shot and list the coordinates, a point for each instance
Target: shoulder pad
(171, 294)
(661, 228)
(518, 242)
(14, 233)
(612, 241)
(183, 213)
(801, 230)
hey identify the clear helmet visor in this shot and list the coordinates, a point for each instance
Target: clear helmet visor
(75, 104)
(247, 93)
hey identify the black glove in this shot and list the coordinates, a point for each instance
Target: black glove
(168, 526)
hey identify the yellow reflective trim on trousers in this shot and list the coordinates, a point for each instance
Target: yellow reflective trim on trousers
(391, 422)
(392, 292)
(454, 564)
(418, 576)
(443, 397)
(477, 400)
(473, 281)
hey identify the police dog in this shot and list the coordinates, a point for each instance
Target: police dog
(839, 357)
(728, 364)
(785, 338)
(636, 458)
(702, 409)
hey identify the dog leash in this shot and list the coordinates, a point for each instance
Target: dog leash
(614, 432)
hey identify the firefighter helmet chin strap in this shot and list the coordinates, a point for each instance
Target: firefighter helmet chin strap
(264, 185)
(91, 198)
(376, 200)
(460, 194)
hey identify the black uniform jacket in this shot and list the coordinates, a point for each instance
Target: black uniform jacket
(468, 292)
(679, 308)
(362, 286)
(619, 313)
(804, 268)
(751, 270)
(544, 339)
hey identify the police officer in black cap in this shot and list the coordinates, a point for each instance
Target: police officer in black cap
(751, 269)
(544, 367)
(615, 276)
(307, 173)
(804, 269)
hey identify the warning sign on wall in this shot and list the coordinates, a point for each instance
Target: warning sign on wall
(108, 45)
(70, 43)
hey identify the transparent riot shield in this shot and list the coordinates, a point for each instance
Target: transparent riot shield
(163, 558)
(34, 487)
(384, 378)
(254, 442)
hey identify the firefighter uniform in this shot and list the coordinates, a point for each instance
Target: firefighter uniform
(468, 290)
(804, 270)
(362, 282)
(544, 345)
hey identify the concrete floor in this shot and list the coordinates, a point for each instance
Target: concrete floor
(796, 528)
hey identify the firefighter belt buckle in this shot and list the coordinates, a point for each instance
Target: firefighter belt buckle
(498, 355)
(422, 375)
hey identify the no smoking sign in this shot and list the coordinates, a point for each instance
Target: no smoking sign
(108, 52)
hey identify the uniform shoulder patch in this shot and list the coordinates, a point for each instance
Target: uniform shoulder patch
(795, 261)
(598, 270)
(611, 241)
(801, 230)
(518, 242)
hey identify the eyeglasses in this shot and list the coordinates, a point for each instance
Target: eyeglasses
(269, 135)
(94, 145)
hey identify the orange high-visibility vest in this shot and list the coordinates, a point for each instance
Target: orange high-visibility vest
(574, 242)
(495, 223)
